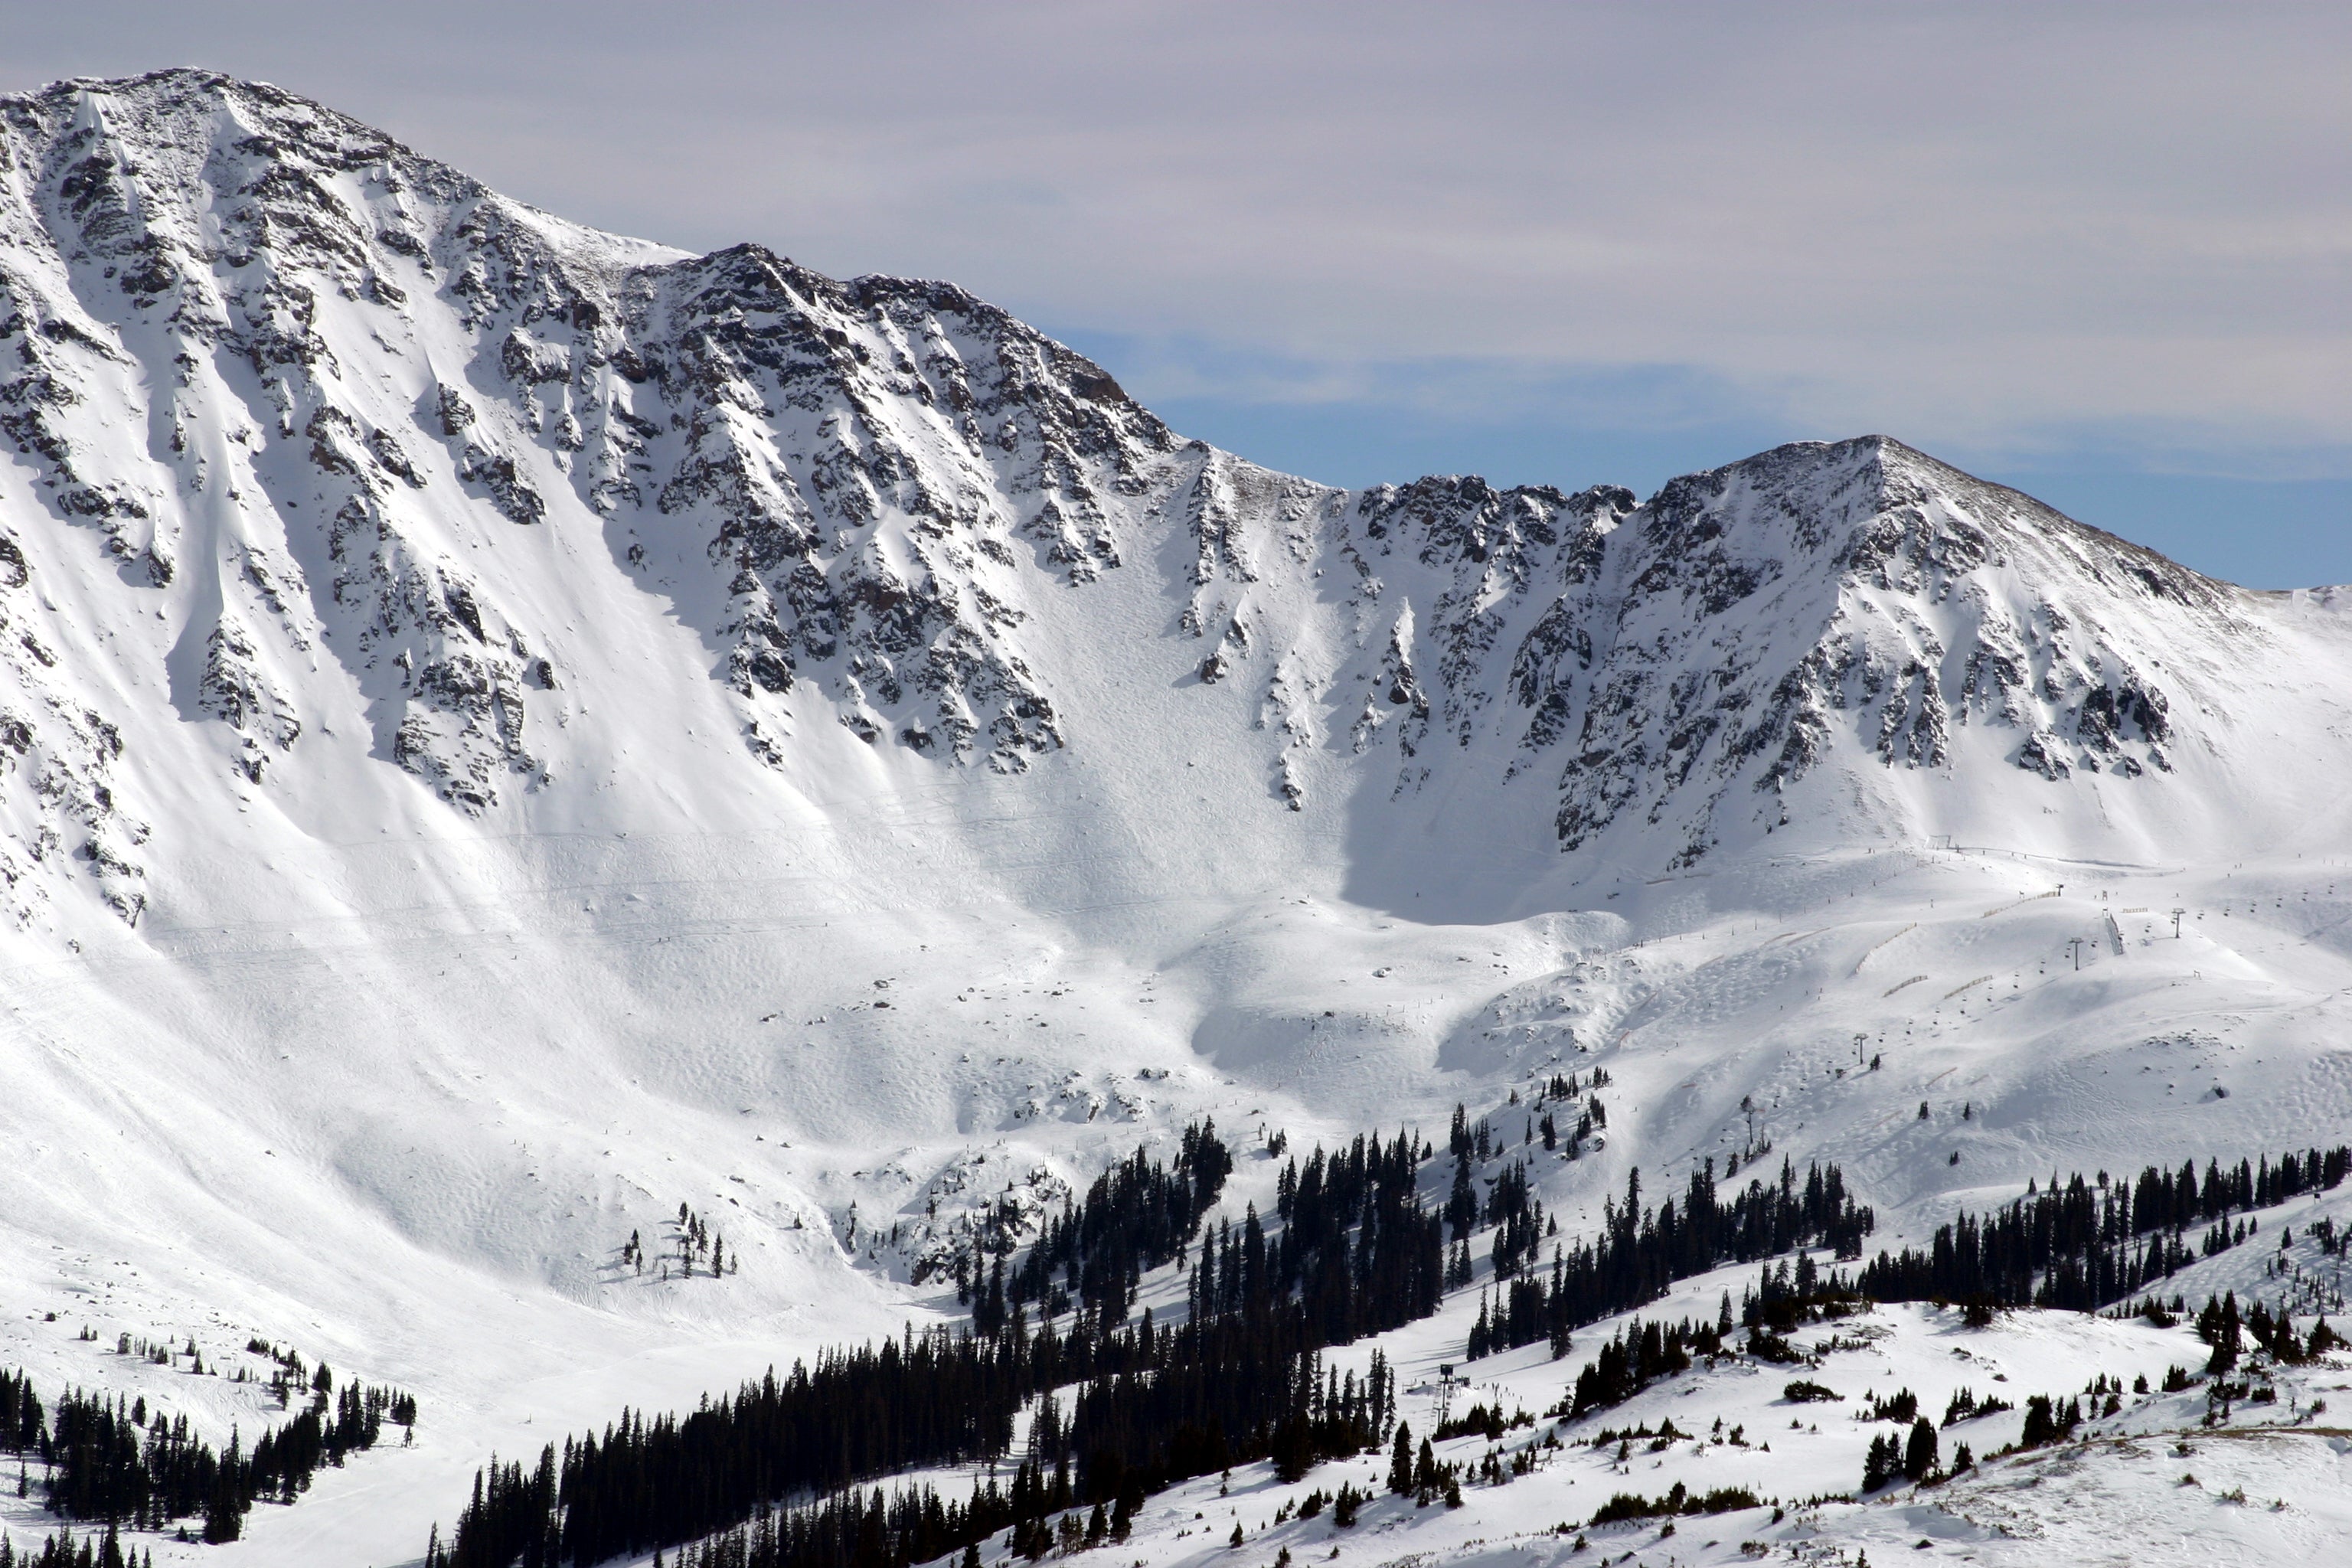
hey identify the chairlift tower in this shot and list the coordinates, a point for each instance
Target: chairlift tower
(1447, 1383)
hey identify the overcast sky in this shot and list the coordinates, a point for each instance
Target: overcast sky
(2101, 251)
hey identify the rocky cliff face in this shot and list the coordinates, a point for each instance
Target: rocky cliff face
(351, 429)
(1680, 666)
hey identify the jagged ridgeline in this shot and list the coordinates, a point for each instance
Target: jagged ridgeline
(109, 1461)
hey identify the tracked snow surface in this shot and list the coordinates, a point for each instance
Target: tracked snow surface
(505, 730)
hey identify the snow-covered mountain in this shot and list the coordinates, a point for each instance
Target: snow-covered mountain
(509, 728)
(376, 446)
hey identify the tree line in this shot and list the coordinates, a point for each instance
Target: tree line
(2088, 1244)
(1240, 1380)
(1136, 1218)
(1641, 1251)
(1354, 1251)
(2081, 1244)
(61, 1550)
(109, 1461)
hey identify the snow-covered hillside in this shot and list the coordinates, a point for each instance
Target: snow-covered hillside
(504, 729)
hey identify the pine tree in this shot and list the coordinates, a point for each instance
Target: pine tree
(1881, 1464)
(2225, 1337)
(1919, 1455)
(224, 1509)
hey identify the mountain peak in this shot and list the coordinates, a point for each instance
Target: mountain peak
(415, 454)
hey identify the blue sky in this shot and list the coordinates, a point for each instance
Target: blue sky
(2102, 252)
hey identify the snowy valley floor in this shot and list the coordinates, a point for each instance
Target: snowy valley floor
(470, 1253)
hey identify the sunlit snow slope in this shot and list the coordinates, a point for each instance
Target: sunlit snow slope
(506, 729)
